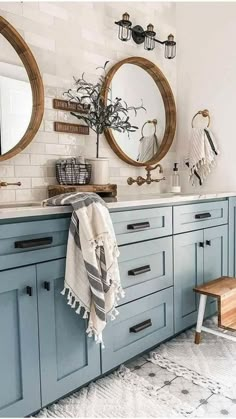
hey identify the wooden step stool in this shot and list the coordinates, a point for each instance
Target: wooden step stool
(224, 289)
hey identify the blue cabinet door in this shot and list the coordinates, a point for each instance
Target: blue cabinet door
(68, 358)
(232, 236)
(188, 273)
(215, 259)
(19, 357)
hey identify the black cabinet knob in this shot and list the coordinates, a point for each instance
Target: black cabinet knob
(47, 285)
(29, 291)
(201, 244)
(208, 242)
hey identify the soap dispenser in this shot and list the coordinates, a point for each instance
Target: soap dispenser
(175, 180)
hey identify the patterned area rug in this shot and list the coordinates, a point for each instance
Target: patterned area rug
(211, 364)
(121, 394)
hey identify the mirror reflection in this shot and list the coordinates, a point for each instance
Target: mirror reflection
(135, 86)
(15, 98)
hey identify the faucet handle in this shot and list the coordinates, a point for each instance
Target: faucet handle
(7, 184)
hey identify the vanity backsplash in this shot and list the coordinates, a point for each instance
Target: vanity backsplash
(60, 57)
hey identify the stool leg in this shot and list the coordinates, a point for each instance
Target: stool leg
(200, 317)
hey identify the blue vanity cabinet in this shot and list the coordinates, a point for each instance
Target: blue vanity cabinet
(199, 257)
(141, 324)
(68, 357)
(188, 273)
(19, 355)
(215, 259)
(232, 236)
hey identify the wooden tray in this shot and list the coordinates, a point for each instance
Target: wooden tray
(102, 190)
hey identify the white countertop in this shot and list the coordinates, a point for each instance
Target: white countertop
(35, 209)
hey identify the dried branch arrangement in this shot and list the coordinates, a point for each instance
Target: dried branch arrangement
(113, 114)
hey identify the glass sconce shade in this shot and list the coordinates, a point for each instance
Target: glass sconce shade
(149, 41)
(170, 47)
(124, 33)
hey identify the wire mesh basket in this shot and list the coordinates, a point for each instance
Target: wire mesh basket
(72, 172)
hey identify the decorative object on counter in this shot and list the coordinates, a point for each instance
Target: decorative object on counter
(101, 114)
(202, 151)
(100, 170)
(148, 180)
(138, 78)
(66, 105)
(23, 77)
(101, 190)
(92, 277)
(147, 37)
(73, 172)
(148, 145)
(71, 128)
(112, 113)
(175, 180)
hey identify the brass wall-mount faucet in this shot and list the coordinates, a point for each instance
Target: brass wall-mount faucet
(140, 180)
(6, 184)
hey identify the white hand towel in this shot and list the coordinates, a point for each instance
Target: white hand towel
(202, 155)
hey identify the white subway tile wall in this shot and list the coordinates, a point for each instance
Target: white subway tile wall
(68, 38)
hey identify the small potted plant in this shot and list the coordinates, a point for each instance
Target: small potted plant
(99, 115)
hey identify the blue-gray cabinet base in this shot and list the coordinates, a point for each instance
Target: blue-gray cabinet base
(68, 358)
(125, 337)
(19, 355)
(44, 349)
(199, 257)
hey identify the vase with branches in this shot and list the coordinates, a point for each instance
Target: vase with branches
(97, 113)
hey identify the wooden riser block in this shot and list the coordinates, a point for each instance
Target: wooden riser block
(108, 190)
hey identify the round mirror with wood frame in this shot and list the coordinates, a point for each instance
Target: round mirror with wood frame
(164, 90)
(31, 67)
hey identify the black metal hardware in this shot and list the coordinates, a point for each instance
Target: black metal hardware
(140, 35)
(29, 290)
(139, 271)
(208, 242)
(201, 244)
(141, 326)
(25, 244)
(47, 285)
(137, 226)
(203, 215)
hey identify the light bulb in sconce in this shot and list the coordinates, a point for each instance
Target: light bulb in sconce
(149, 41)
(170, 47)
(124, 33)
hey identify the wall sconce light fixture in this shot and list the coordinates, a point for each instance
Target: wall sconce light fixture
(147, 37)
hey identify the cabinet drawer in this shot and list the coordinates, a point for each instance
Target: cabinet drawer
(145, 267)
(138, 225)
(197, 216)
(32, 241)
(140, 325)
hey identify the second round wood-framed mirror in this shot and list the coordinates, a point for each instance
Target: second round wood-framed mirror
(139, 81)
(21, 92)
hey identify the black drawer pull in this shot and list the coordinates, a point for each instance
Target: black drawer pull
(203, 215)
(201, 244)
(208, 242)
(46, 285)
(137, 226)
(29, 290)
(141, 326)
(139, 271)
(26, 244)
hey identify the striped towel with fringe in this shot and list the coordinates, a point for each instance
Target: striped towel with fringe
(92, 280)
(202, 155)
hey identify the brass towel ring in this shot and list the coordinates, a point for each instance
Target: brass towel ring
(205, 113)
(150, 121)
